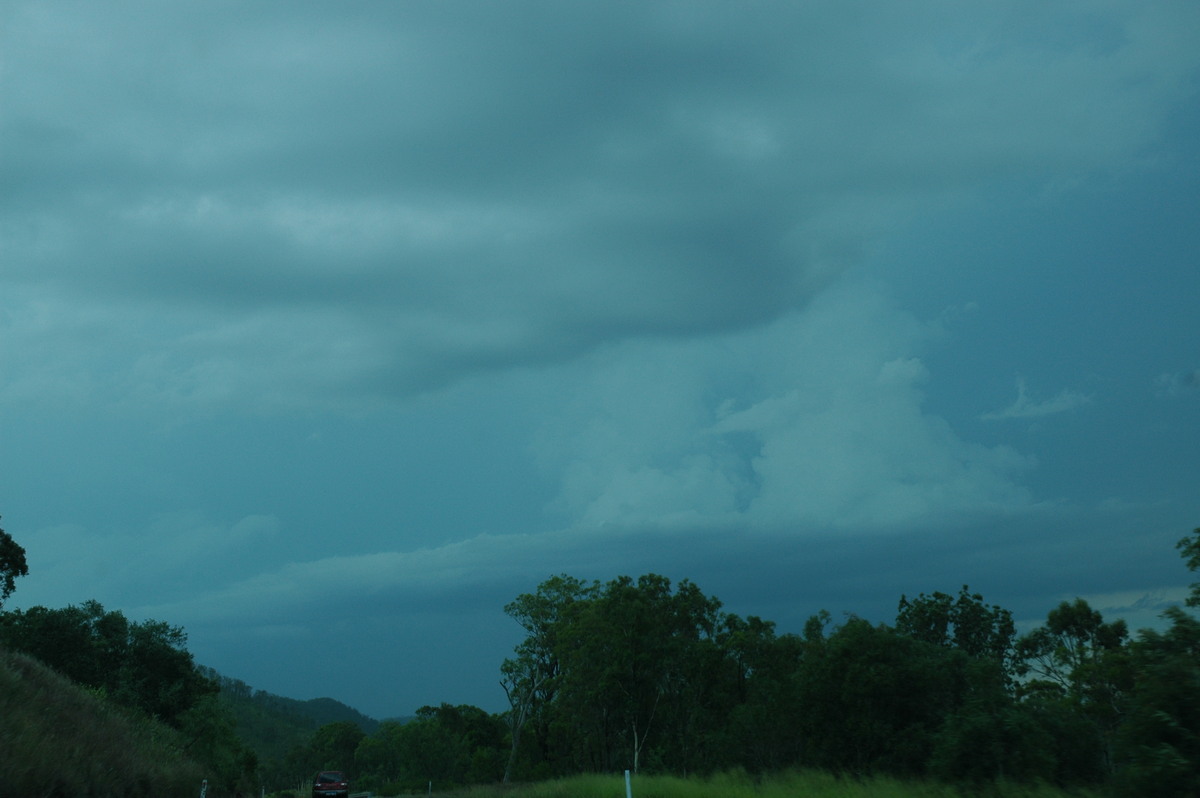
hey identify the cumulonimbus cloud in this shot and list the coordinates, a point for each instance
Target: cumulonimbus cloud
(650, 174)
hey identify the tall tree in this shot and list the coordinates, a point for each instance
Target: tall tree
(874, 700)
(761, 731)
(633, 657)
(12, 565)
(1082, 660)
(1076, 651)
(1158, 745)
(1159, 742)
(531, 677)
(613, 651)
(979, 630)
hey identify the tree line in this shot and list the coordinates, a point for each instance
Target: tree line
(649, 675)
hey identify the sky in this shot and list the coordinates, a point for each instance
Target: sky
(328, 329)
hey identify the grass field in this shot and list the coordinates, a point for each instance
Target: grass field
(803, 784)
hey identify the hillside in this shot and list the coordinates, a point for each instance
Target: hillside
(60, 739)
(274, 726)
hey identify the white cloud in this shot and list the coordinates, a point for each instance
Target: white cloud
(816, 421)
(1025, 406)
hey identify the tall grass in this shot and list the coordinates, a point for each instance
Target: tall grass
(57, 738)
(796, 784)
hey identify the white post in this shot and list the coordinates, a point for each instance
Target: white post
(628, 787)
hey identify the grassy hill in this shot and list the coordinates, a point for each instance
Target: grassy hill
(59, 739)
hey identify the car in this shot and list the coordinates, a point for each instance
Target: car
(331, 783)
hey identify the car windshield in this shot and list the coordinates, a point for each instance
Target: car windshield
(330, 778)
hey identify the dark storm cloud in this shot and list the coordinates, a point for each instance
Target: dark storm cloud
(472, 188)
(317, 311)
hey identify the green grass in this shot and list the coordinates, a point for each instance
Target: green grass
(57, 738)
(808, 784)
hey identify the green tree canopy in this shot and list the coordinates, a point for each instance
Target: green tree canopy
(1076, 651)
(1159, 742)
(144, 665)
(873, 700)
(12, 565)
(965, 622)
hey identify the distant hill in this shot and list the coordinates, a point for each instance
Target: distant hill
(273, 725)
(327, 710)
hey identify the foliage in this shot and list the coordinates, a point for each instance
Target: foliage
(1159, 742)
(270, 726)
(638, 674)
(145, 670)
(991, 737)
(874, 700)
(1081, 663)
(650, 676)
(445, 745)
(1076, 652)
(762, 733)
(1189, 549)
(531, 678)
(640, 659)
(142, 665)
(209, 732)
(12, 565)
(966, 623)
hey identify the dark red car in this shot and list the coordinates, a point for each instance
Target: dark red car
(331, 783)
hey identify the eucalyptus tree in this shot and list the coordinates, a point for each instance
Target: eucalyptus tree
(621, 658)
(609, 673)
(532, 676)
(1082, 662)
(1077, 652)
(979, 630)
(12, 565)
